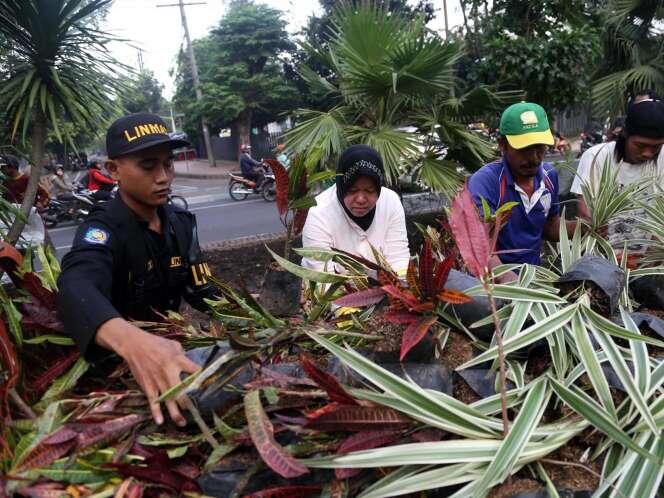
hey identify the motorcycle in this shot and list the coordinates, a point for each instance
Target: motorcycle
(239, 188)
(593, 134)
(74, 209)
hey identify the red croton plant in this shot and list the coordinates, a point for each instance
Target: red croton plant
(414, 302)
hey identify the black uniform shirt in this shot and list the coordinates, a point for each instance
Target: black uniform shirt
(118, 267)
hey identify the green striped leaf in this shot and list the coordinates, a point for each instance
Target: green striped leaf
(519, 434)
(307, 273)
(456, 413)
(532, 334)
(588, 356)
(618, 363)
(516, 293)
(586, 407)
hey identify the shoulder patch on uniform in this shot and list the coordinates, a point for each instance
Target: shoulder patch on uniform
(95, 235)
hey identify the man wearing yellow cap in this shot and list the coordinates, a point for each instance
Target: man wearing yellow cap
(521, 176)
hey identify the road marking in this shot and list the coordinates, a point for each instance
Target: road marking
(234, 203)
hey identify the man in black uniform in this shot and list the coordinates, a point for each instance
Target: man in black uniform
(134, 257)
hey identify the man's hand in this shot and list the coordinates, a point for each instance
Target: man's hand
(155, 362)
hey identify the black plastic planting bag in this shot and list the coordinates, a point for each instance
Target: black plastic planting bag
(600, 271)
(215, 396)
(648, 291)
(473, 311)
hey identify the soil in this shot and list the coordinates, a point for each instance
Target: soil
(573, 477)
(457, 351)
(391, 333)
(507, 490)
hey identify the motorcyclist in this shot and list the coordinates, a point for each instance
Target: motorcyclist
(251, 169)
(99, 184)
(61, 188)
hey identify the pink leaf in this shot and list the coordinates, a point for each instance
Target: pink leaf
(262, 435)
(361, 298)
(470, 233)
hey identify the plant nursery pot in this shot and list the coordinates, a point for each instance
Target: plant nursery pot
(281, 292)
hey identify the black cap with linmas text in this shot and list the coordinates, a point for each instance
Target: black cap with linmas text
(136, 132)
(646, 119)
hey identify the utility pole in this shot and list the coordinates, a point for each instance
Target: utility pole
(194, 73)
(447, 29)
(141, 67)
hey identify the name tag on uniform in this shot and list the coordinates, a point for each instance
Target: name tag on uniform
(176, 261)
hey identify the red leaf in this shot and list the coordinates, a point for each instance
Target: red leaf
(286, 492)
(36, 315)
(362, 298)
(45, 454)
(345, 418)
(8, 376)
(281, 182)
(43, 490)
(33, 285)
(10, 260)
(400, 317)
(404, 296)
(470, 233)
(262, 435)
(326, 381)
(454, 296)
(426, 269)
(157, 470)
(414, 334)
(90, 434)
(363, 441)
(299, 220)
(443, 271)
(367, 440)
(369, 264)
(428, 435)
(411, 278)
(40, 384)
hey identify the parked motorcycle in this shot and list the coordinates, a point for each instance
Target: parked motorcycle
(240, 187)
(592, 134)
(74, 209)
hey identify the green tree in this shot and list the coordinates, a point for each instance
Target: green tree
(62, 67)
(143, 93)
(395, 87)
(548, 49)
(633, 42)
(313, 51)
(241, 71)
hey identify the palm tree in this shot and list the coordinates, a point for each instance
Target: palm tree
(634, 53)
(61, 67)
(394, 85)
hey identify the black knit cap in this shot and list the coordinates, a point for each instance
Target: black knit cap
(356, 161)
(646, 119)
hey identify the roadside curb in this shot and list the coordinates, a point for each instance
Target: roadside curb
(202, 176)
(202, 199)
(239, 242)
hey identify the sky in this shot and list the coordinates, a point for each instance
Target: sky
(158, 33)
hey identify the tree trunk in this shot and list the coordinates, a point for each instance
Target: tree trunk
(37, 156)
(244, 126)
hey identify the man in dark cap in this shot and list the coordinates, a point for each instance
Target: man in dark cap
(135, 257)
(359, 212)
(636, 154)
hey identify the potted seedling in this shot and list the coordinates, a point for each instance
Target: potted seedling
(281, 290)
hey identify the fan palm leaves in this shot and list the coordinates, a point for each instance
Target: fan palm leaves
(394, 82)
(62, 68)
(634, 44)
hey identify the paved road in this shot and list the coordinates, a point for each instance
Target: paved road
(222, 220)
